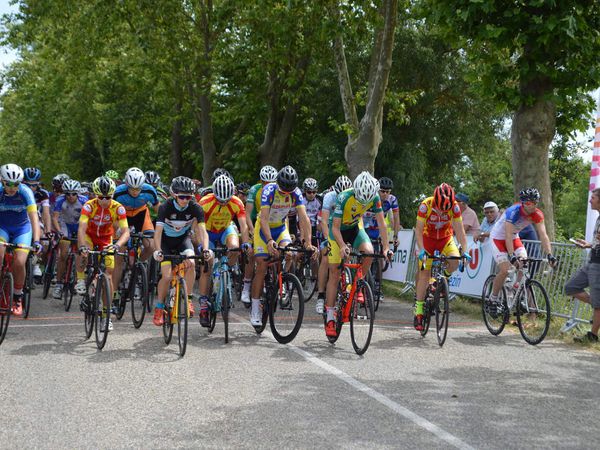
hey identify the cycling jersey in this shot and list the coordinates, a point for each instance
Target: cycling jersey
(101, 220)
(329, 201)
(313, 208)
(518, 217)
(134, 205)
(218, 216)
(280, 203)
(14, 209)
(391, 204)
(253, 198)
(69, 213)
(438, 224)
(351, 210)
(177, 222)
(42, 198)
(162, 197)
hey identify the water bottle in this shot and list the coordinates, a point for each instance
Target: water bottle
(171, 296)
(216, 282)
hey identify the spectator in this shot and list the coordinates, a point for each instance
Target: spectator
(492, 214)
(469, 217)
(588, 276)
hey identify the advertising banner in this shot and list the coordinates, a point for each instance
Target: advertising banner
(399, 266)
(470, 282)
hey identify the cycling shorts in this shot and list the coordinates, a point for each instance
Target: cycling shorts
(356, 235)
(180, 245)
(69, 229)
(500, 253)
(279, 234)
(221, 237)
(20, 235)
(100, 244)
(446, 246)
(141, 221)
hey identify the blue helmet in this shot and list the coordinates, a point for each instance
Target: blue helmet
(32, 174)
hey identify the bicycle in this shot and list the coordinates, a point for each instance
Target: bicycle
(96, 301)
(50, 266)
(176, 304)
(306, 269)
(525, 297)
(237, 277)
(28, 284)
(133, 287)
(221, 297)
(282, 301)
(374, 277)
(153, 279)
(354, 303)
(437, 295)
(70, 275)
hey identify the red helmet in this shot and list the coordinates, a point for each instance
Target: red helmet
(443, 197)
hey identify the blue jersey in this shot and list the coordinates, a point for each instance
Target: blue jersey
(369, 219)
(148, 195)
(14, 208)
(69, 212)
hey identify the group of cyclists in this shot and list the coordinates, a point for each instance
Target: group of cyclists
(184, 218)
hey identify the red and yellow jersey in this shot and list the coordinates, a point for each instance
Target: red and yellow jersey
(438, 224)
(218, 216)
(100, 220)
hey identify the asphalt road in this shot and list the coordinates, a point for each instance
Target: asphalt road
(478, 391)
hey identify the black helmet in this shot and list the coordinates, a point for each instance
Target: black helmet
(287, 179)
(243, 188)
(182, 185)
(152, 177)
(386, 183)
(220, 171)
(529, 195)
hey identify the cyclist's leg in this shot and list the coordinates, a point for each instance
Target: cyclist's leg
(20, 257)
(230, 239)
(148, 242)
(261, 253)
(450, 249)
(364, 245)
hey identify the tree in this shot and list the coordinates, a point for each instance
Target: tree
(535, 58)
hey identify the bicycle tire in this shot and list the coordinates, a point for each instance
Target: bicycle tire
(427, 311)
(361, 314)
(536, 302)
(183, 315)
(48, 273)
(212, 313)
(167, 327)
(123, 293)
(494, 322)
(6, 294)
(153, 274)
(102, 293)
(225, 303)
(138, 283)
(69, 284)
(267, 301)
(285, 326)
(27, 286)
(442, 311)
(88, 306)
(307, 278)
(371, 277)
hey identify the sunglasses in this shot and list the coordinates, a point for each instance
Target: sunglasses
(104, 197)
(385, 191)
(33, 185)
(184, 197)
(11, 183)
(71, 194)
(311, 192)
(530, 203)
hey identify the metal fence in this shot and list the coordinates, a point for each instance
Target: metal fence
(570, 257)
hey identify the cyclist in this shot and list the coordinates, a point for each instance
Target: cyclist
(99, 218)
(135, 195)
(216, 173)
(341, 184)
(346, 226)
(177, 217)
(220, 208)
(31, 178)
(438, 221)
(268, 174)
(113, 175)
(65, 219)
(507, 247)
(18, 224)
(241, 190)
(57, 182)
(271, 231)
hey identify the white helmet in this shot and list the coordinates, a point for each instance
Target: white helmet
(223, 188)
(268, 174)
(71, 186)
(365, 187)
(134, 178)
(310, 184)
(342, 183)
(11, 173)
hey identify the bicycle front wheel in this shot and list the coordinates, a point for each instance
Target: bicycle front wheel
(182, 317)
(225, 302)
(102, 311)
(6, 295)
(533, 312)
(442, 311)
(153, 274)
(287, 313)
(48, 273)
(495, 320)
(27, 286)
(69, 286)
(138, 294)
(362, 317)
(308, 279)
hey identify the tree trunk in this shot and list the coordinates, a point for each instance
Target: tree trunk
(533, 129)
(176, 157)
(209, 150)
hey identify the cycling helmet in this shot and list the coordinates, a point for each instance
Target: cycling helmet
(103, 186)
(182, 185)
(220, 171)
(386, 183)
(310, 184)
(32, 174)
(530, 195)
(365, 187)
(243, 188)
(287, 179)
(113, 174)
(443, 197)
(268, 174)
(134, 178)
(57, 181)
(342, 183)
(152, 177)
(223, 188)
(11, 173)
(71, 186)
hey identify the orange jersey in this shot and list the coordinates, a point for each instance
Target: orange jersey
(217, 216)
(438, 224)
(100, 220)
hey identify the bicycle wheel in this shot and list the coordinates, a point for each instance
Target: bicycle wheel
(212, 312)
(427, 311)
(267, 301)
(88, 307)
(6, 295)
(27, 286)
(362, 317)
(287, 313)
(102, 298)
(138, 294)
(338, 315)
(533, 312)
(69, 285)
(307, 278)
(123, 292)
(494, 320)
(153, 275)
(225, 302)
(442, 311)
(48, 273)
(371, 279)
(182, 317)
(167, 326)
